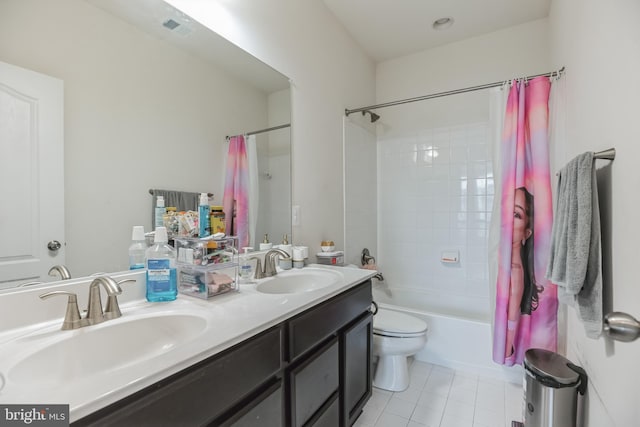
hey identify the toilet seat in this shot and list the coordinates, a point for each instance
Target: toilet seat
(391, 323)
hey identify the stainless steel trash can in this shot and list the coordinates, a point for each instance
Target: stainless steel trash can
(552, 384)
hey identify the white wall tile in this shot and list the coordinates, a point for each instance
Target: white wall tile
(428, 204)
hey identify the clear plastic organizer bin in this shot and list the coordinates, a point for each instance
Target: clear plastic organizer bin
(206, 267)
(208, 281)
(207, 251)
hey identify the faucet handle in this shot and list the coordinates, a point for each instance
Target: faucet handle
(72, 318)
(112, 310)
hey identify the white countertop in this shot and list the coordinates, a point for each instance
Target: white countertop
(232, 318)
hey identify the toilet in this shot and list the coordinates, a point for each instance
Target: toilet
(396, 336)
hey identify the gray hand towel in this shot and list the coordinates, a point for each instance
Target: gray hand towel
(575, 262)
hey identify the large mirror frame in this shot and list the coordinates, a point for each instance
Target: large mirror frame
(146, 108)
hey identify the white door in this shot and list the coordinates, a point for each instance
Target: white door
(31, 175)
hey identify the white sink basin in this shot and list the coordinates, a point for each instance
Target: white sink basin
(105, 347)
(296, 281)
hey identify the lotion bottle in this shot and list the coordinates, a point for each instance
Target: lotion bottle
(204, 225)
(266, 245)
(286, 264)
(161, 269)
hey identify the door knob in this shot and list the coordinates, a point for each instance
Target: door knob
(621, 326)
(54, 245)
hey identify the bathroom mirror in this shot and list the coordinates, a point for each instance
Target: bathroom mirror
(149, 98)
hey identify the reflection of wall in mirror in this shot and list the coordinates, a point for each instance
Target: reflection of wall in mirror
(274, 163)
(139, 114)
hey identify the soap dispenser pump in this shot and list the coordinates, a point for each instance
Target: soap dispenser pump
(285, 246)
(266, 245)
(286, 264)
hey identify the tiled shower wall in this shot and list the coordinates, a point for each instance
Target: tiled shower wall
(435, 194)
(360, 182)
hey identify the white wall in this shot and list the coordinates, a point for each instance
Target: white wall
(329, 72)
(129, 99)
(434, 171)
(599, 43)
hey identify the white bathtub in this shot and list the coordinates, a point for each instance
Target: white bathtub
(461, 341)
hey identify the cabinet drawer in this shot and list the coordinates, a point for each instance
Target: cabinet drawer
(313, 382)
(330, 417)
(264, 410)
(202, 392)
(315, 325)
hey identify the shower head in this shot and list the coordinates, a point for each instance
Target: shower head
(374, 116)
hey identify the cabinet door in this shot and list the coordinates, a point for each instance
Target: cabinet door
(356, 367)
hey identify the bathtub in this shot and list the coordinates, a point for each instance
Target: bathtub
(460, 341)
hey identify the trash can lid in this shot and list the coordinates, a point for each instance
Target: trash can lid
(550, 365)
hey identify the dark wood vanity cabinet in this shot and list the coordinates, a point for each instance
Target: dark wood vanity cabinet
(331, 339)
(311, 370)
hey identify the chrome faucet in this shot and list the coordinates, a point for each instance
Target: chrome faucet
(95, 315)
(270, 262)
(94, 308)
(62, 271)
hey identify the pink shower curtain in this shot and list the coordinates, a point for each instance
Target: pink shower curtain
(236, 191)
(526, 303)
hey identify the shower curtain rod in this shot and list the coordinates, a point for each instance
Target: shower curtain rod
(447, 93)
(255, 132)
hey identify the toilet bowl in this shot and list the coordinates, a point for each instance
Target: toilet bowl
(396, 336)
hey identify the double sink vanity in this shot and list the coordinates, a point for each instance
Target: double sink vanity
(293, 349)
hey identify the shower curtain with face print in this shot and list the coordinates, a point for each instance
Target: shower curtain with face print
(526, 304)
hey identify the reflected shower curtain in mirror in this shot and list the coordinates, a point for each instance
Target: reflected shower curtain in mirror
(526, 304)
(236, 191)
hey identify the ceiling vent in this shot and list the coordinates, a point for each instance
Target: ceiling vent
(177, 27)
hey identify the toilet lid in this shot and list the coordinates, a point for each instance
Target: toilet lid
(393, 323)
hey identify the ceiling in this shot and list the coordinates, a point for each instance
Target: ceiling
(190, 35)
(388, 29)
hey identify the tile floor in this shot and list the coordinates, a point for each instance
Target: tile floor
(443, 397)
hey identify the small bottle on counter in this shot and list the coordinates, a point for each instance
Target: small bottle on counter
(138, 248)
(217, 220)
(266, 245)
(246, 270)
(159, 213)
(161, 269)
(287, 263)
